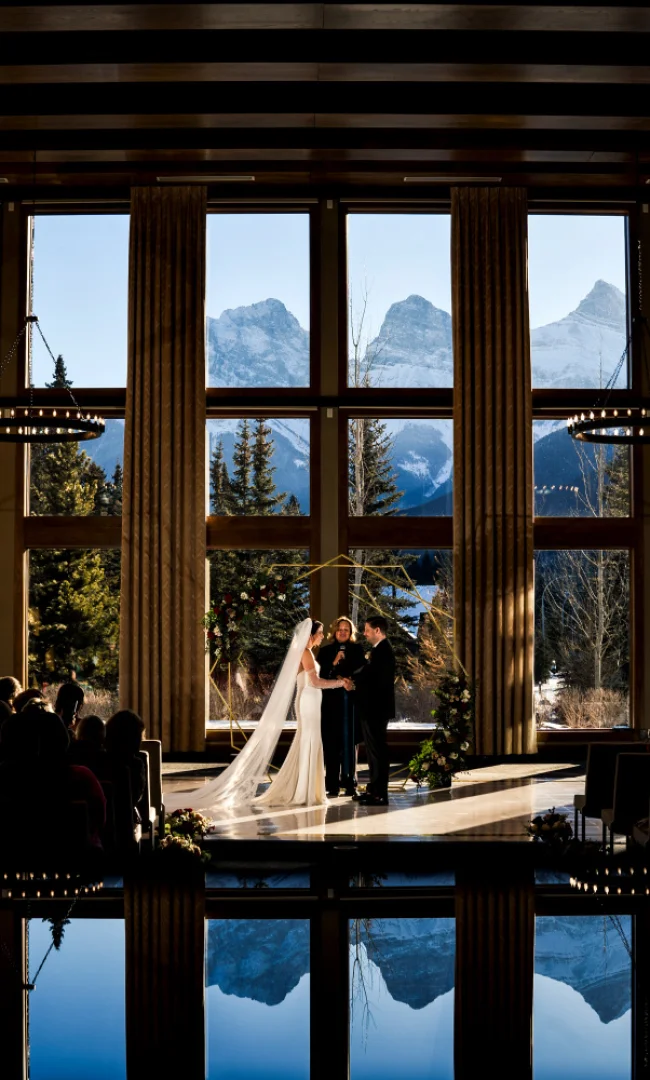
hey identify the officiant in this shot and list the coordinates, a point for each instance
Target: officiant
(338, 659)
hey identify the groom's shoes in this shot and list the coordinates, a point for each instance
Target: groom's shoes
(359, 795)
(373, 800)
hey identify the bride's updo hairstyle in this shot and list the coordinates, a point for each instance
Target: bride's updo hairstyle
(315, 627)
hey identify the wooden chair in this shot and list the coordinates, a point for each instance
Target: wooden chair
(153, 747)
(599, 781)
(631, 796)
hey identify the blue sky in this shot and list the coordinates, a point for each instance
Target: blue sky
(81, 264)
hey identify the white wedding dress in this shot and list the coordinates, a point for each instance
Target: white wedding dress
(301, 780)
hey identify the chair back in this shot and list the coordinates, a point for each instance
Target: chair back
(601, 771)
(631, 791)
(123, 808)
(109, 835)
(153, 747)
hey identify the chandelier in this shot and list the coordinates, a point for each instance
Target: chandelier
(34, 423)
(625, 426)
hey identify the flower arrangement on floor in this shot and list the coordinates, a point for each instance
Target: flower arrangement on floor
(550, 827)
(184, 831)
(445, 752)
(227, 617)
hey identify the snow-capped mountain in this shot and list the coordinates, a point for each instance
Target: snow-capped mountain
(413, 347)
(584, 348)
(260, 345)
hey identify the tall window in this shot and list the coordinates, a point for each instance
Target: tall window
(584, 505)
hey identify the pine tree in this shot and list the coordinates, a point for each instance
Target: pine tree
(74, 595)
(373, 491)
(242, 475)
(114, 488)
(264, 497)
(221, 497)
(60, 380)
(292, 507)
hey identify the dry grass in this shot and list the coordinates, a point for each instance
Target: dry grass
(592, 708)
(100, 702)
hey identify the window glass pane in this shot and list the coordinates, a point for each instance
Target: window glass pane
(400, 467)
(76, 1014)
(582, 639)
(257, 999)
(414, 590)
(582, 1014)
(578, 479)
(259, 643)
(402, 998)
(80, 283)
(399, 300)
(577, 292)
(257, 300)
(78, 479)
(259, 467)
(73, 621)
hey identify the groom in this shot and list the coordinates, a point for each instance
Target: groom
(375, 685)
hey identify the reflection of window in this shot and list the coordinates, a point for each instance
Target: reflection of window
(402, 1023)
(578, 479)
(577, 289)
(399, 300)
(582, 638)
(263, 636)
(257, 998)
(78, 479)
(74, 601)
(257, 300)
(400, 467)
(414, 591)
(80, 284)
(259, 467)
(582, 1015)
(80, 982)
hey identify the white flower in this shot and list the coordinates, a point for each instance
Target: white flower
(425, 766)
(244, 596)
(464, 746)
(465, 696)
(217, 632)
(453, 755)
(452, 712)
(281, 596)
(455, 679)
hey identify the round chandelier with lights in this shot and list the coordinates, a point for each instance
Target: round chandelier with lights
(34, 423)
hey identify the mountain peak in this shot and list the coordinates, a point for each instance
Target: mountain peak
(604, 303)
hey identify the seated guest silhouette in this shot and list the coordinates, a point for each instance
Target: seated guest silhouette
(124, 733)
(9, 687)
(88, 747)
(25, 696)
(68, 702)
(35, 772)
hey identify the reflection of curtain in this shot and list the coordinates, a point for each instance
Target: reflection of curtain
(493, 488)
(495, 951)
(164, 926)
(162, 660)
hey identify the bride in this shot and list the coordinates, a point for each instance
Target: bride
(301, 780)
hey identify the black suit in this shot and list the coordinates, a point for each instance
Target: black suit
(375, 685)
(337, 716)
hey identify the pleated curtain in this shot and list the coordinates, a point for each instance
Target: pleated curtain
(162, 659)
(164, 928)
(493, 464)
(495, 953)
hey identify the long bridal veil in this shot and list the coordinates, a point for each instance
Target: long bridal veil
(238, 783)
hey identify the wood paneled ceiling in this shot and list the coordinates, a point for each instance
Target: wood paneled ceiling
(329, 97)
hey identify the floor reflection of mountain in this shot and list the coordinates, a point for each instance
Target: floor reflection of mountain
(416, 958)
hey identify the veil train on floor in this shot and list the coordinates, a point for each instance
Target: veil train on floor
(237, 784)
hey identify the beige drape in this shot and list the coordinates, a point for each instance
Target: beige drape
(164, 927)
(495, 947)
(162, 659)
(493, 467)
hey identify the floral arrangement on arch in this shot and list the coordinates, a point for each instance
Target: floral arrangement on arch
(227, 616)
(445, 752)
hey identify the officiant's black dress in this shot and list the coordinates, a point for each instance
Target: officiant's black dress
(375, 685)
(337, 716)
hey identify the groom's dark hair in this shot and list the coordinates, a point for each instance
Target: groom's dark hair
(378, 622)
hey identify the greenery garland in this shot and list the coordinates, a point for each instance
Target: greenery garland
(445, 752)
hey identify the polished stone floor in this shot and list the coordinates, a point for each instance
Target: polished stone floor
(488, 804)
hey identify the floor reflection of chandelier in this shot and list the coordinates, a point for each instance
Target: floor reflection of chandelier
(38, 423)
